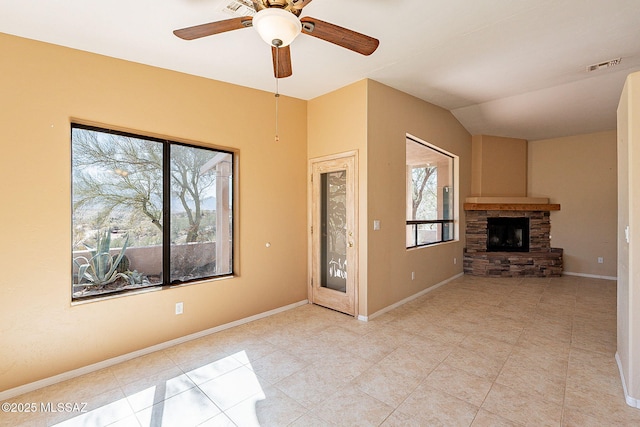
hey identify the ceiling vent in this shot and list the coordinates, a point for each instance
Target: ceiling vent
(239, 8)
(606, 64)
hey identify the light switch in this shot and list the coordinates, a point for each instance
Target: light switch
(376, 224)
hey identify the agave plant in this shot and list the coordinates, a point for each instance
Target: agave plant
(101, 268)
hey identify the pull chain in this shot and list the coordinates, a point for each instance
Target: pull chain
(277, 95)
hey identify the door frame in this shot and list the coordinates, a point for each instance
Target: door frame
(312, 249)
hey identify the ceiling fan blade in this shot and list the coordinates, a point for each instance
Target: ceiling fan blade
(341, 36)
(191, 33)
(282, 57)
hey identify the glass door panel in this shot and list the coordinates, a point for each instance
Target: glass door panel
(333, 252)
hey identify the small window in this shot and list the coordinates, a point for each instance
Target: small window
(147, 212)
(430, 194)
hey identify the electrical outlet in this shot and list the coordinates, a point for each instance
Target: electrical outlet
(600, 260)
(179, 308)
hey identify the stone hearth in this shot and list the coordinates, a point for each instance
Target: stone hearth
(541, 261)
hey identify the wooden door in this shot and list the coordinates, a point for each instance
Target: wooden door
(334, 237)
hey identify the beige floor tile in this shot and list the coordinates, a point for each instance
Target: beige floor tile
(309, 387)
(487, 419)
(478, 364)
(521, 407)
(542, 348)
(495, 328)
(386, 384)
(470, 388)
(532, 379)
(220, 420)
(593, 372)
(554, 313)
(398, 419)
(338, 336)
(156, 388)
(130, 421)
(602, 341)
(196, 353)
(23, 417)
(269, 408)
(557, 332)
(577, 418)
(352, 407)
(372, 347)
(434, 407)
(341, 366)
(141, 367)
(189, 408)
(250, 350)
(440, 333)
(565, 301)
(213, 369)
(516, 313)
(312, 350)
(81, 389)
(602, 407)
(412, 321)
(414, 361)
(541, 359)
(102, 409)
(277, 366)
(308, 420)
(487, 346)
(232, 388)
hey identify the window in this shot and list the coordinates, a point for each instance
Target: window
(147, 212)
(430, 194)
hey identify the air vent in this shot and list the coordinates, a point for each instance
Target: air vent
(239, 8)
(606, 64)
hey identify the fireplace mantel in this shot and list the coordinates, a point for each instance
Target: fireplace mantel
(533, 207)
(533, 204)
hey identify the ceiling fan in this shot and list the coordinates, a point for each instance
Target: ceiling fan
(278, 22)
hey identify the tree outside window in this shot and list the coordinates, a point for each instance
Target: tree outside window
(429, 202)
(141, 221)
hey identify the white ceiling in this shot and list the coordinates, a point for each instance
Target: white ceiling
(512, 68)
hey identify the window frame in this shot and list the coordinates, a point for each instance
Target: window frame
(166, 282)
(454, 163)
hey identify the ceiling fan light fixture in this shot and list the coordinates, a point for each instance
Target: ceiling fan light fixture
(277, 27)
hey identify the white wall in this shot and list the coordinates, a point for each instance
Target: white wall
(628, 351)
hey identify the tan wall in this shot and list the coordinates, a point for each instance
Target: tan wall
(628, 349)
(393, 114)
(499, 166)
(337, 123)
(44, 87)
(580, 173)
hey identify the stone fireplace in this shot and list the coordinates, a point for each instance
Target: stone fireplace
(507, 238)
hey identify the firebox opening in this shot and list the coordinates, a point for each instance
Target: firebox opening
(507, 234)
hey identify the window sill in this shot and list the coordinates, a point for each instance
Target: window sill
(431, 245)
(149, 289)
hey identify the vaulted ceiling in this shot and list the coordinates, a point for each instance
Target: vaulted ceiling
(503, 67)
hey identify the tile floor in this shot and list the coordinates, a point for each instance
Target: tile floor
(475, 352)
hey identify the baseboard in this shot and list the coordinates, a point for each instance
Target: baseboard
(410, 298)
(631, 401)
(26, 388)
(591, 276)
